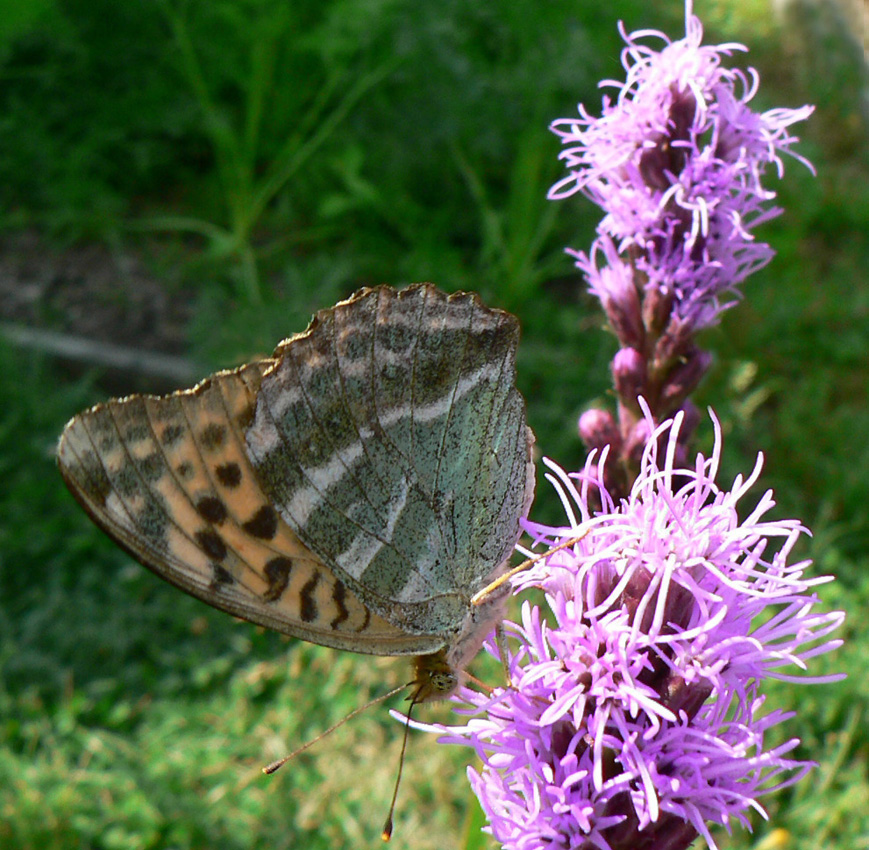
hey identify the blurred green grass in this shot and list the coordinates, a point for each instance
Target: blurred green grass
(134, 717)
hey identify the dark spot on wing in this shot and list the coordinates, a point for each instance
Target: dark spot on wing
(127, 482)
(152, 467)
(221, 576)
(277, 572)
(211, 543)
(212, 509)
(263, 524)
(309, 611)
(228, 474)
(339, 594)
(171, 434)
(137, 433)
(212, 436)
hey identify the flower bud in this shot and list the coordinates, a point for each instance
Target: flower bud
(597, 429)
(630, 376)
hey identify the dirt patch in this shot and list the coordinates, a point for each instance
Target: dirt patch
(90, 291)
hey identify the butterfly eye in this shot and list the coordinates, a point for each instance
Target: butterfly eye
(444, 684)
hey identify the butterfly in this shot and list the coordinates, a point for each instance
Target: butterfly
(356, 489)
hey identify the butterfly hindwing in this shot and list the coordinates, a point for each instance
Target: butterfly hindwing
(392, 438)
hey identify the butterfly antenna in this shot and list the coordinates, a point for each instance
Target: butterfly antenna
(386, 834)
(480, 595)
(276, 765)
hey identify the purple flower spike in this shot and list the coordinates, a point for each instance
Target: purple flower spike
(634, 719)
(676, 161)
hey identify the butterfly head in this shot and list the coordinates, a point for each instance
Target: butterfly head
(434, 677)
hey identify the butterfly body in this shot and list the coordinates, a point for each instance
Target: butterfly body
(354, 490)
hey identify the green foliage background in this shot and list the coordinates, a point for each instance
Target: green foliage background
(270, 157)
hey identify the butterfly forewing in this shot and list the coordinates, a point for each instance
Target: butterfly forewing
(169, 479)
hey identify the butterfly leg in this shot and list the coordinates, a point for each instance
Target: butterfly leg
(503, 652)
